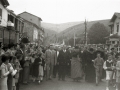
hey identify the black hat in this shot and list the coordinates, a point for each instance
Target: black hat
(112, 48)
(91, 49)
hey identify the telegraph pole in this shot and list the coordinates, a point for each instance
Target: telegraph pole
(85, 32)
(74, 39)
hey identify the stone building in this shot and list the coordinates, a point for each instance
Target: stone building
(32, 27)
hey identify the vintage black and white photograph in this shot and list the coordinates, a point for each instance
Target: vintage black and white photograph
(59, 44)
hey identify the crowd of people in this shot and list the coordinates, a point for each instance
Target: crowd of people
(22, 63)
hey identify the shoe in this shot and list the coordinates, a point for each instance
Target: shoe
(38, 82)
(63, 79)
(96, 84)
(25, 83)
(50, 79)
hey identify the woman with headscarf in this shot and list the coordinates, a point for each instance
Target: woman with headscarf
(76, 66)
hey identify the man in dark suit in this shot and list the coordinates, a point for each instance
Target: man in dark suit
(82, 55)
(69, 56)
(62, 62)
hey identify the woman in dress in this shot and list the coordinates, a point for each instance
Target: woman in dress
(4, 72)
(26, 70)
(76, 66)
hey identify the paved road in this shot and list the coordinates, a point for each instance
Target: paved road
(67, 85)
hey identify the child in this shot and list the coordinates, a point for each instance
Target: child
(14, 80)
(118, 74)
(10, 80)
(98, 63)
(18, 67)
(109, 70)
(41, 69)
(31, 66)
(114, 71)
(36, 67)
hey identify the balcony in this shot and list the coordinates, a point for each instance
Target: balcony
(10, 25)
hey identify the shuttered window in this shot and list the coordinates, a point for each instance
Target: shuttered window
(0, 15)
(1, 34)
(0, 12)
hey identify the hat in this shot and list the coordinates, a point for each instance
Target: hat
(91, 49)
(112, 48)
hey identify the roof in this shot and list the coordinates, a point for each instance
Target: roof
(5, 2)
(11, 12)
(114, 36)
(115, 16)
(30, 14)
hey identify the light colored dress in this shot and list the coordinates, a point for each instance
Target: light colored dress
(3, 79)
(76, 68)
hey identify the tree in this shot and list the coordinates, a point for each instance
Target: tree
(97, 33)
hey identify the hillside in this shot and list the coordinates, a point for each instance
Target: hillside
(80, 28)
(77, 29)
(59, 27)
(49, 32)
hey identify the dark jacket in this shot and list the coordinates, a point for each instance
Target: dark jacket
(62, 58)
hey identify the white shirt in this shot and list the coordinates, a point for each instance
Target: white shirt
(64, 51)
(57, 53)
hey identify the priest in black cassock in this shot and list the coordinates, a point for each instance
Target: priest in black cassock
(90, 70)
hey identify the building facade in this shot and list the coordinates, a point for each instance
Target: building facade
(37, 32)
(14, 28)
(3, 19)
(114, 39)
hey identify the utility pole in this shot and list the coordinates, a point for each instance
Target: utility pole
(85, 32)
(68, 39)
(74, 39)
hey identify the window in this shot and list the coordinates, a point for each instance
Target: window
(0, 15)
(117, 42)
(1, 34)
(117, 27)
(113, 42)
(111, 29)
(117, 49)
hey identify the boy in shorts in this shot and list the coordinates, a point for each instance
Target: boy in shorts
(108, 66)
(118, 74)
(98, 64)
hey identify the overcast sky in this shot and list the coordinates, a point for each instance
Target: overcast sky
(62, 11)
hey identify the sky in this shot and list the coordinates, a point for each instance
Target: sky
(62, 11)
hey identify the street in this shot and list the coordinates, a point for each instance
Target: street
(64, 85)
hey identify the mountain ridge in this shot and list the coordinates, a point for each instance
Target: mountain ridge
(58, 27)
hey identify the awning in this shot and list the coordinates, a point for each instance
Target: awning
(113, 36)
